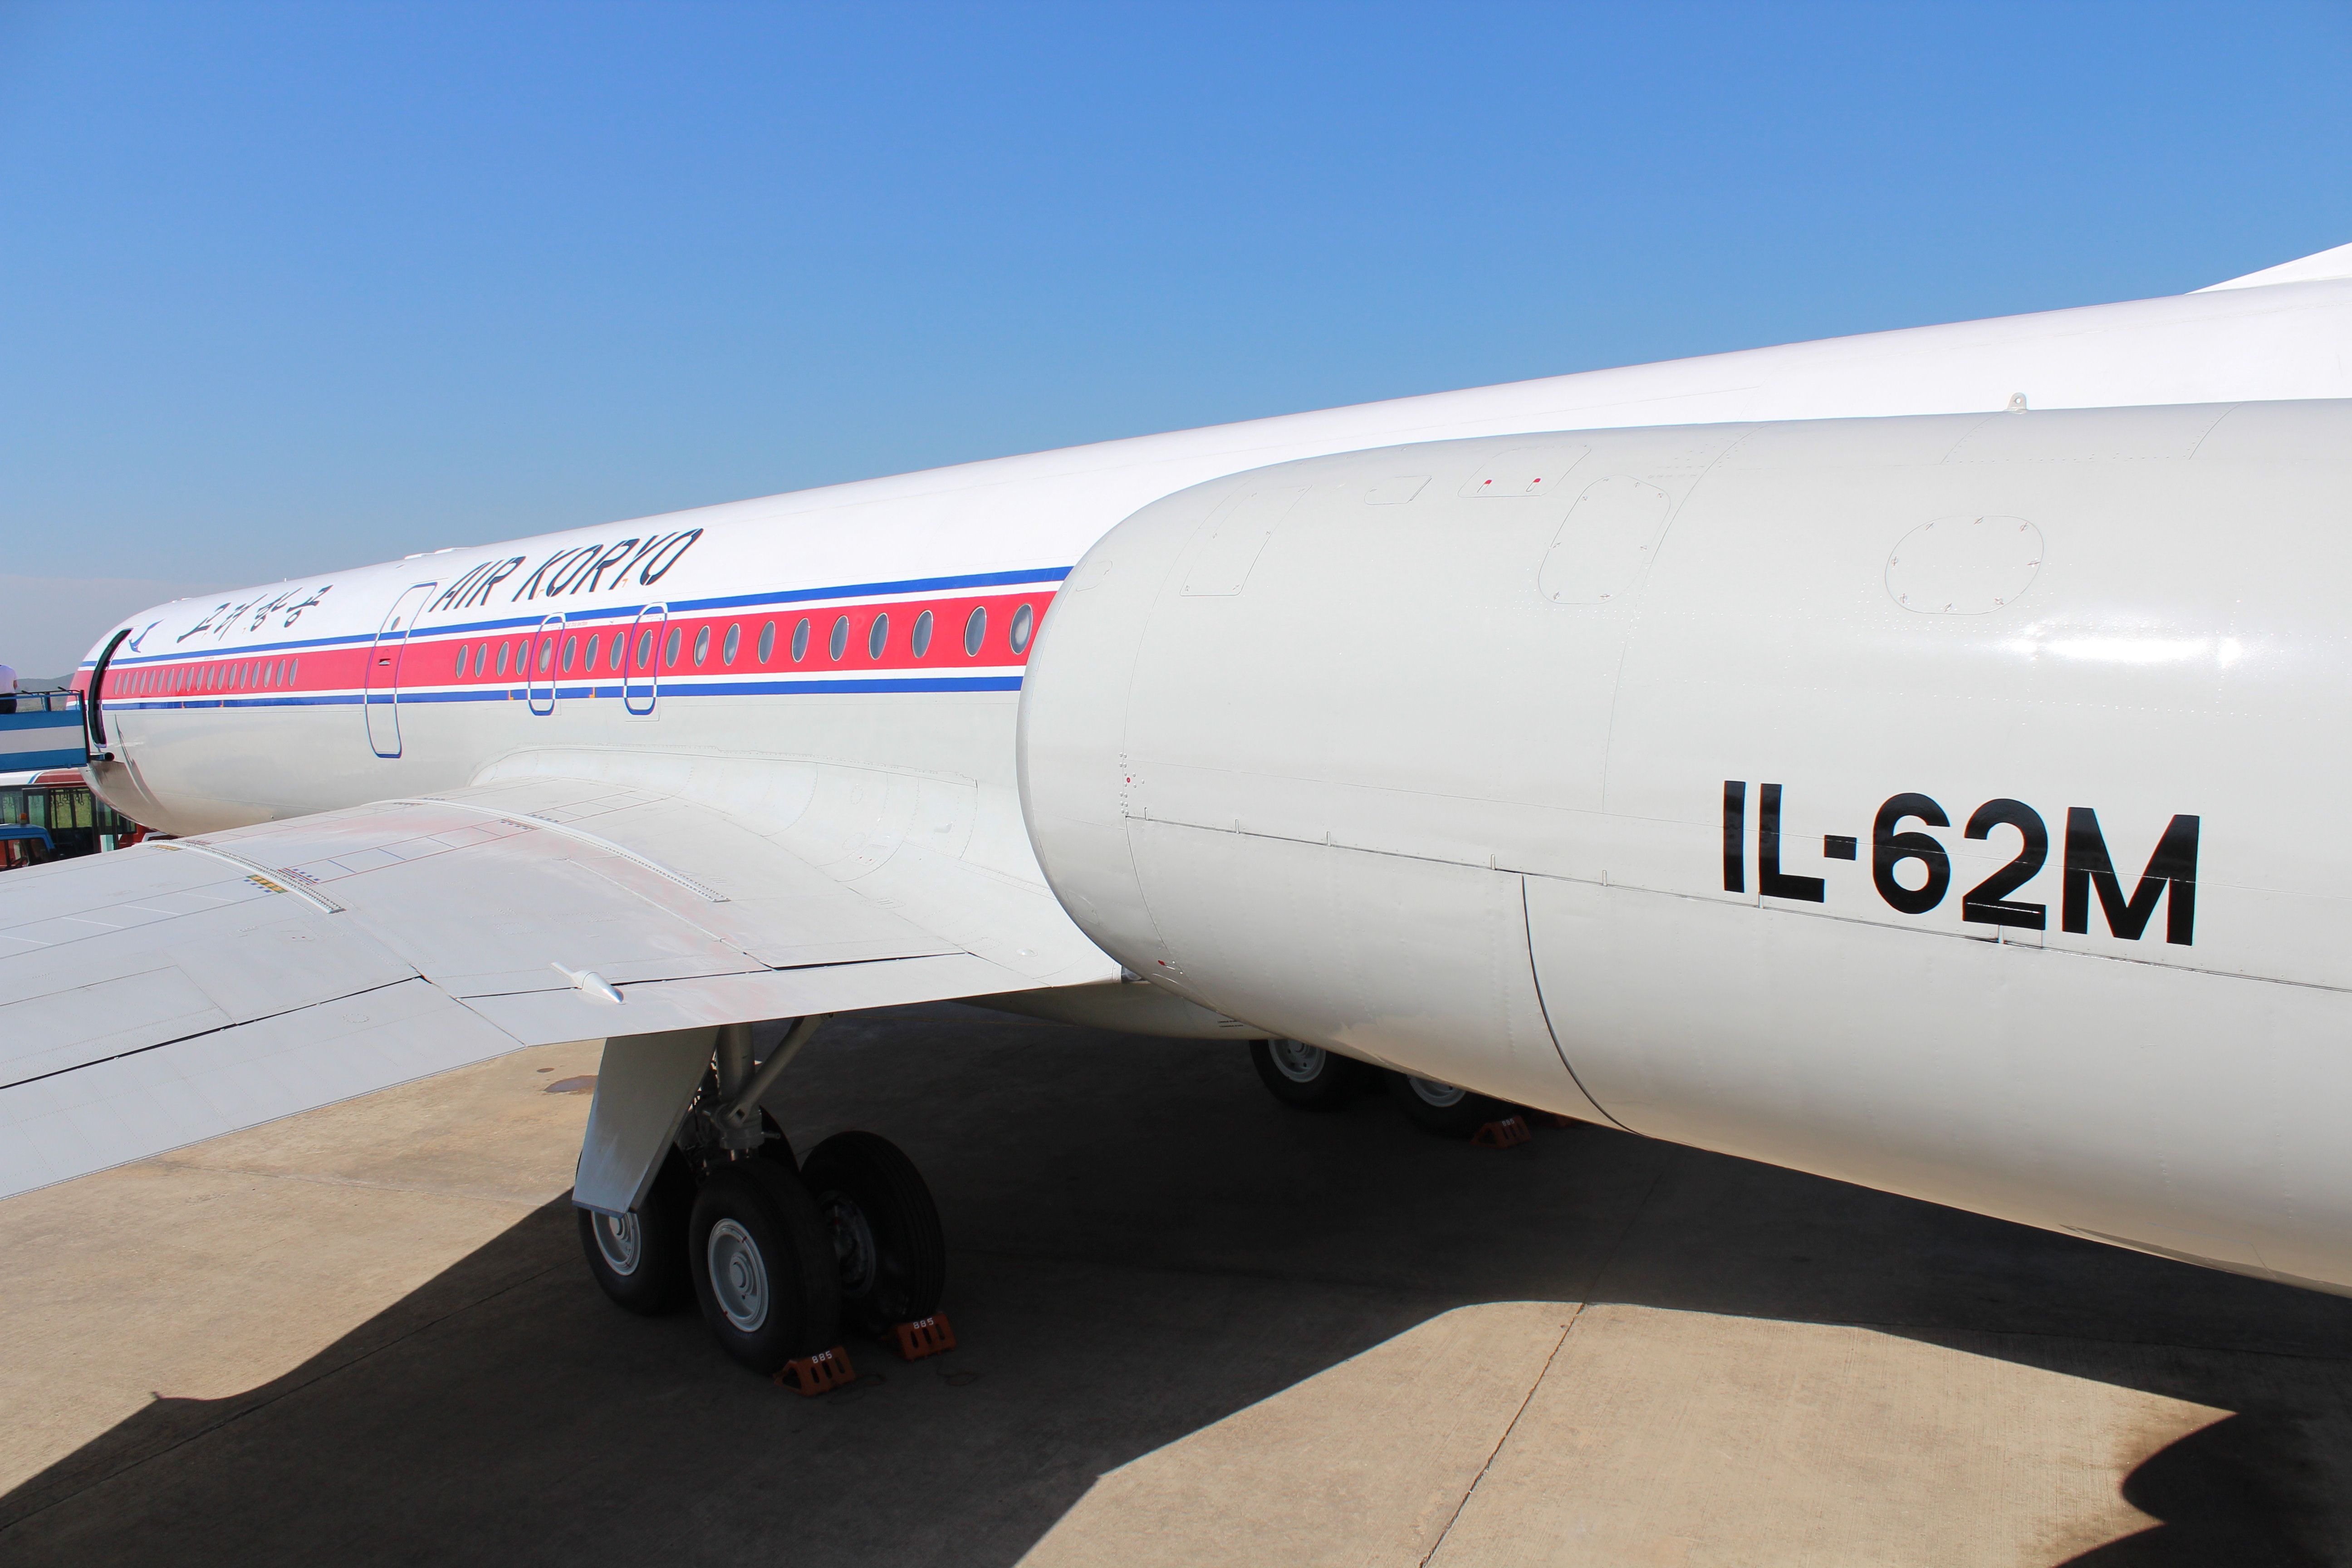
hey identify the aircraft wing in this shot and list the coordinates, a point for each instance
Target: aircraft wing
(172, 991)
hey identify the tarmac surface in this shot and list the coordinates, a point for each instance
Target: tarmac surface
(1197, 1328)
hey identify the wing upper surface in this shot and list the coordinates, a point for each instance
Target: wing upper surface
(170, 991)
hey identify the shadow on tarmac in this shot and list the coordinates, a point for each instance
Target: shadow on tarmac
(1144, 1243)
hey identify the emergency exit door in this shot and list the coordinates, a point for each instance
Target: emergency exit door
(380, 686)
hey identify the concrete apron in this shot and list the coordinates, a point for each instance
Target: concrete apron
(278, 1266)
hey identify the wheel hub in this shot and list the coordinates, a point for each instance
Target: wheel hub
(854, 1251)
(1442, 1095)
(738, 1276)
(1296, 1060)
(622, 1242)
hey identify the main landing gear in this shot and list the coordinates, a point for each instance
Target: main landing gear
(1309, 1077)
(779, 1254)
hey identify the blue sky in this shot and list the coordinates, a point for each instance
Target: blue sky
(284, 288)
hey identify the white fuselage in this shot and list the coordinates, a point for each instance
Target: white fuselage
(1449, 788)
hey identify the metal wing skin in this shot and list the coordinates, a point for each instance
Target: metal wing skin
(173, 991)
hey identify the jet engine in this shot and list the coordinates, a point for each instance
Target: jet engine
(1932, 803)
(1290, 737)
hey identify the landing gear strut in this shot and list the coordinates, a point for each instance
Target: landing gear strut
(777, 1254)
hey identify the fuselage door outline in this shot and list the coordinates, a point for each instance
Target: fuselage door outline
(641, 682)
(545, 651)
(380, 682)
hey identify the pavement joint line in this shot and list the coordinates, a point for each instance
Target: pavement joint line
(258, 1406)
(1500, 1443)
(1641, 1207)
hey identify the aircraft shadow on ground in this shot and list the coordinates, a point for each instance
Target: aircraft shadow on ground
(1144, 1244)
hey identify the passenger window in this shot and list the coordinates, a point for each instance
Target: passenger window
(921, 642)
(840, 636)
(571, 653)
(588, 660)
(975, 630)
(767, 642)
(800, 640)
(462, 652)
(546, 654)
(620, 643)
(1022, 621)
(734, 641)
(502, 659)
(669, 647)
(701, 646)
(645, 649)
(878, 638)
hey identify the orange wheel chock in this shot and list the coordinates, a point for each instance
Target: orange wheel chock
(1548, 1119)
(924, 1336)
(819, 1373)
(1508, 1134)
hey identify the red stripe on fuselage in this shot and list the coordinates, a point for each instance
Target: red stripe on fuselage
(430, 658)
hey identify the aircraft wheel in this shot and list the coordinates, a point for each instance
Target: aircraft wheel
(890, 1254)
(1441, 1108)
(639, 1259)
(1305, 1077)
(763, 1270)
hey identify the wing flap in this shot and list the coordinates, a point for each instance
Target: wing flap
(145, 1101)
(543, 1017)
(65, 1028)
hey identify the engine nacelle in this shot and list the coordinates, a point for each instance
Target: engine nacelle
(1288, 736)
(1921, 802)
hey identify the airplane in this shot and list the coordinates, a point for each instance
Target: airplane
(1908, 758)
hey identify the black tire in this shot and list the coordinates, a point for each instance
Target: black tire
(640, 1263)
(890, 1253)
(1441, 1108)
(778, 1147)
(773, 1297)
(1307, 1077)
